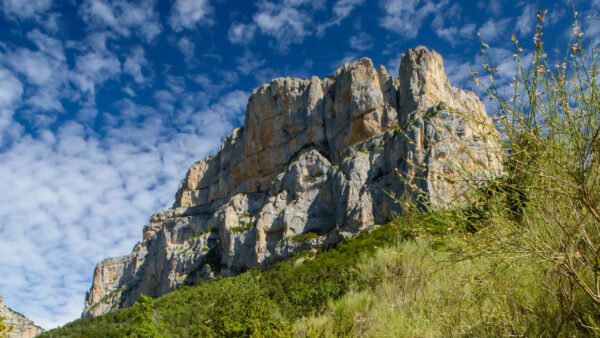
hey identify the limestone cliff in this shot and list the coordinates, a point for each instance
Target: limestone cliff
(22, 327)
(314, 155)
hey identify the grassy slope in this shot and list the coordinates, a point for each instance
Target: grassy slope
(383, 283)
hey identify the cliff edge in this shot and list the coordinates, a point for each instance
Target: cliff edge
(22, 326)
(316, 160)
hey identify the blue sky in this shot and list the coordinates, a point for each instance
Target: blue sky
(104, 105)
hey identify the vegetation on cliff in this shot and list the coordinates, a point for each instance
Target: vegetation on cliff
(4, 328)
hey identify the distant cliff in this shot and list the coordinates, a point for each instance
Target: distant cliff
(22, 327)
(316, 161)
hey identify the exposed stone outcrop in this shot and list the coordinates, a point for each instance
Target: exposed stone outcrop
(319, 155)
(21, 326)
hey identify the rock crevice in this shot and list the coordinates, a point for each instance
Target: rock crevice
(314, 155)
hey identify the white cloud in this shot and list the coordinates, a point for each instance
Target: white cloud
(361, 42)
(94, 68)
(283, 21)
(47, 44)
(406, 17)
(591, 31)
(123, 17)
(96, 41)
(71, 197)
(589, 23)
(526, 21)
(165, 101)
(494, 29)
(341, 9)
(491, 6)
(287, 21)
(11, 89)
(213, 84)
(134, 63)
(222, 115)
(265, 75)
(51, 22)
(176, 83)
(240, 33)
(189, 13)
(187, 48)
(25, 9)
(455, 34)
(555, 14)
(34, 65)
(248, 62)
(46, 76)
(458, 71)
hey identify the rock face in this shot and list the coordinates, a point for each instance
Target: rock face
(22, 327)
(320, 155)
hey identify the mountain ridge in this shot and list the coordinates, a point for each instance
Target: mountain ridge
(316, 158)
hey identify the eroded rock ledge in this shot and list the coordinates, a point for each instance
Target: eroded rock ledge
(319, 156)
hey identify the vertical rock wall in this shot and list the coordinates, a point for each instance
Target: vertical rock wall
(321, 156)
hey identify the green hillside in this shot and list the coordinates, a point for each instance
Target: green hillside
(265, 303)
(385, 282)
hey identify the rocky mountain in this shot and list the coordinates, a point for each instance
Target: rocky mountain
(317, 160)
(22, 327)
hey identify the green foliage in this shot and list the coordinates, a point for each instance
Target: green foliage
(200, 234)
(552, 128)
(145, 323)
(307, 288)
(417, 289)
(111, 298)
(224, 307)
(250, 304)
(3, 328)
(304, 237)
(245, 223)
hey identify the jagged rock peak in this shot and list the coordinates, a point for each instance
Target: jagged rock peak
(22, 326)
(314, 155)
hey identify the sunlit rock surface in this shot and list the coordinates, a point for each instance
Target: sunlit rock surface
(314, 155)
